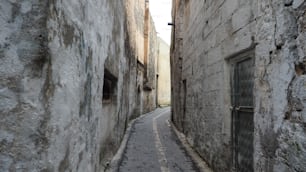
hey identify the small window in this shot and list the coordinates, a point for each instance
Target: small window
(109, 87)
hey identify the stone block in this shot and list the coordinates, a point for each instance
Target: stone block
(241, 18)
(228, 8)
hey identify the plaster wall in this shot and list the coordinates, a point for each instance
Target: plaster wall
(164, 82)
(54, 56)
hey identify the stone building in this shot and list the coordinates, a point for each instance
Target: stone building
(238, 82)
(163, 69)
(72, 75)
(141, 48)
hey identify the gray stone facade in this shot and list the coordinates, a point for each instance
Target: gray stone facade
(211, 37)
(163, 68)
(68, 83)
(141, 48)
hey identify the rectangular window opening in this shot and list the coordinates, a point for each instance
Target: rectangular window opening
(109, 87)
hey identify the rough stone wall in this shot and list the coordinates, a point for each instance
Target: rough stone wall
(25, 70)
(145, 58)
(280, 114)
(134, 24)
(150, 81)
(54, 57)
(163, 68)
(135, 11)
(177, 106)
(207, 35)
(80, 46)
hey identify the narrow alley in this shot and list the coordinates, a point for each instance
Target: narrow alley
(87, 85)
(154, 147)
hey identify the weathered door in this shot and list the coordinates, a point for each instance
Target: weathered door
(243, 116)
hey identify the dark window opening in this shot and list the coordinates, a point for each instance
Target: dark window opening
(109, 87)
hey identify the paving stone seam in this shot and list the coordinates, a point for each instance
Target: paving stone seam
(161, 153)
(117, 159)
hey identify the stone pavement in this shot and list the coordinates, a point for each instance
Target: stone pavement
(154, 147)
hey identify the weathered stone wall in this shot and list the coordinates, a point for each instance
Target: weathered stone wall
(135, 11)
(134, 50)
(90, 49)
(143, 47)
(207, 36)
(280, 114)
(163, 68)
(178, 116)
(55, 60)
(25, 89)
(150, 91)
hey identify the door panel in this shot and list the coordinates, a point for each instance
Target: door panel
(243, 116)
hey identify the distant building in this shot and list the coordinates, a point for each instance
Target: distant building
(163, 68)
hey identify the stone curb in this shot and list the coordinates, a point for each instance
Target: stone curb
(199, 162)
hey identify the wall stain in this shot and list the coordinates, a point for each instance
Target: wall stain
(68, 33)
(64, 164)
(80, 160)
(107, 150)
(15, 11)
(269, 144)
(300, 68)
(49, 87)
(295, 104)
(85, 104)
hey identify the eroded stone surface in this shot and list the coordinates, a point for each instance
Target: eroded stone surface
(207, 37)
(54, 56)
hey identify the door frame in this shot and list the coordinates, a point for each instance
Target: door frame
(233, 62)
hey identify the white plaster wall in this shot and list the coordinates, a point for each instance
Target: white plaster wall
(52, 56)
(164, 83)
